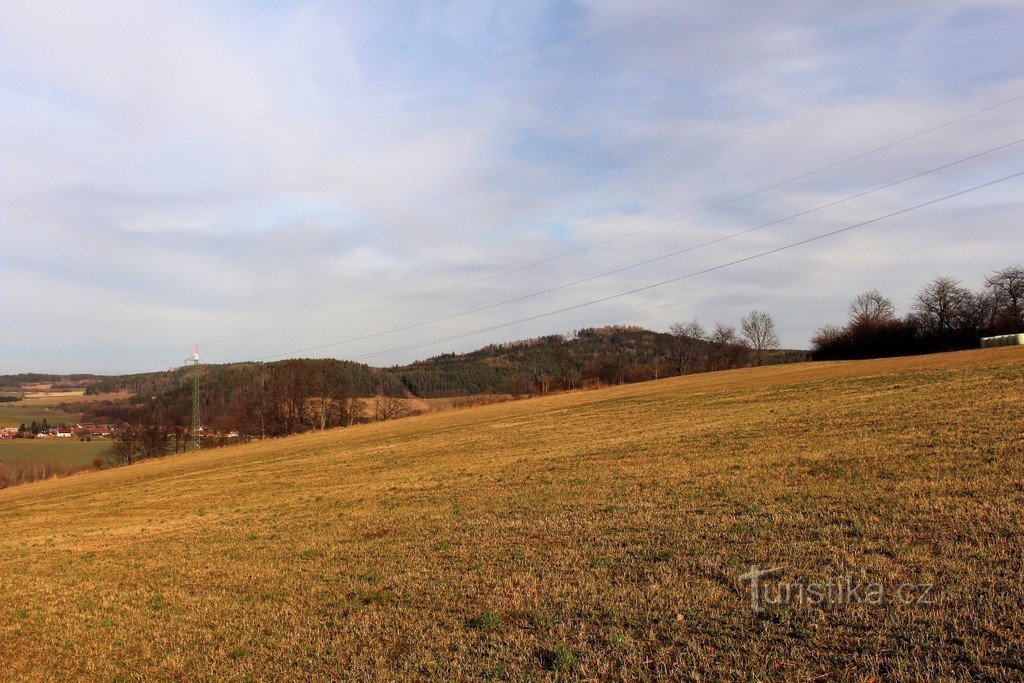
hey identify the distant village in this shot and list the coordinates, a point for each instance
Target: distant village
(87, 431)
(82, 430)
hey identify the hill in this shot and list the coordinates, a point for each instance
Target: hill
(613, 354)
(288, 396)
(599, 534)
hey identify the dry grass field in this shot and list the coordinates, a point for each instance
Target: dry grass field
(590, 535)
(50, 397)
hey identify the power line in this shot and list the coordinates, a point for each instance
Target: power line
(662, 257)
(623, 236)
(176, 357)
(662, 283)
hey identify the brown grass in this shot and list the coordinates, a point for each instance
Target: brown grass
(594, 535)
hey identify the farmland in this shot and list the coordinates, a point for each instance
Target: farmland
(14, 414)
(77, 454)
(587, 535)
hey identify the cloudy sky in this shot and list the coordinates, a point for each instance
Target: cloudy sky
(180, 172)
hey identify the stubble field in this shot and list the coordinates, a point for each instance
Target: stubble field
(591, 535)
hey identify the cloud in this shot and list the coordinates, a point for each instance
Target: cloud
(182, 171)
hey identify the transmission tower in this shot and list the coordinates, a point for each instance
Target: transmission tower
(196, 426)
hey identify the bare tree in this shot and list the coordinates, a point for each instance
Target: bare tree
(940, 303)
(323, 384)
(826, 338)
(759, 329)
(727, 348)
(568, 373)
(356, 409)
(342, 406)
(517, 385)
(345, 410)
(871, 308)
(690, 343)
(389, 407)
(1006, 287)
(298, 388)
(126, 446)
(133, 443)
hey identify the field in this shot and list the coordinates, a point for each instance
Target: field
(41, 402)
(46, 396)
(14, 414)
(590, 535)
(76, 453)
(54, 398)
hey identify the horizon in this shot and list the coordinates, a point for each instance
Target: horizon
(176, 172)
(510, 343)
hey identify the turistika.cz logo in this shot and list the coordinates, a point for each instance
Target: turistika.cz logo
(767, 588)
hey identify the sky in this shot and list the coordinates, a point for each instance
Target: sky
(184, 172)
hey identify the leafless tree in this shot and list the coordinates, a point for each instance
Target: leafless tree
(517, 385)
(940, 304)
(759, 329)
(826, 337)
(389, 407)
(1006, 287)
(133, 443)
(568, 373)
(345, 410)
(126, 446)
(727, 348)
(871, 308)
(323, 388)
(298, 388)
(342, 406)
(690, 340)
(655, 367)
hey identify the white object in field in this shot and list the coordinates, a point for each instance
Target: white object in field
(1003, 340)
(195, 354)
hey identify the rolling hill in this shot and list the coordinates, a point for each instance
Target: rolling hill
(588, 535)
(272, 398)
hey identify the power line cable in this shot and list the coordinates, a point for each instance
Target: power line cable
(662, 257)
(623, 236)
(176, 357)
(662, 283)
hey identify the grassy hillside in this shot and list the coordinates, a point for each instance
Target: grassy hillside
(587, 535)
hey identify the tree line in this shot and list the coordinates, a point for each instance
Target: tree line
(943, 316)
(263, 400)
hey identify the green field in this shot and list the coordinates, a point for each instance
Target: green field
(14, 414)
(76, 453)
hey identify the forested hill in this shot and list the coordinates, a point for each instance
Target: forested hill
(606, 355)
(236, 393)
(611, 355)
(362, 380)
(19, 381)
(602, 355)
